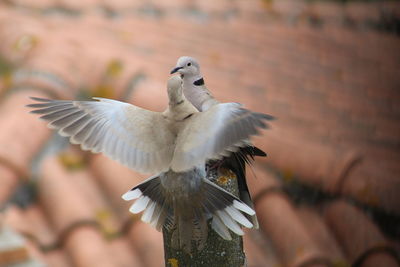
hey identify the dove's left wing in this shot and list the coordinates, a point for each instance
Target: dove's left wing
(215, 133)
(138, 138)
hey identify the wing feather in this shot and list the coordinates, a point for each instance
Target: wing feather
(227, 125)
(138, 138)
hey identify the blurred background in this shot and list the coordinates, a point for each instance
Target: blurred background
(328, 194)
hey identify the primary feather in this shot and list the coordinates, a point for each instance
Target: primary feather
(138, 138)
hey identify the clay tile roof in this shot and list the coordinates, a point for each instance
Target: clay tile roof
(326, 195)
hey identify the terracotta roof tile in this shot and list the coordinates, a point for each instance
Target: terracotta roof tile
(25, 134)
(359, 237)
(44, 237)
(258, 252)
(119, 5)
(39, 226)
(34, 4)
(71, 205)
(60, 197)
(261, 181)
(289, 8)
(88, 187)
(289, 236)
(148, 244)
(88, 248)
(358, 12)
(375, 184)
(124, 253)
(316, 164)
(327, 9)
(281, 223)
(324, 69)
(380, 259)
(13, 215)
(322, 235)
(20, 38)
(148, 95)
(57, 258)
(8, 180)
(116, 180)
(26, 223)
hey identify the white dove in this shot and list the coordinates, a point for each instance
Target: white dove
(197, 93)
(175, 144)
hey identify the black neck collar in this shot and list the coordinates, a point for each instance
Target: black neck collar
(199, 82)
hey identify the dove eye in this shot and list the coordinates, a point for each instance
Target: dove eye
(189, 64)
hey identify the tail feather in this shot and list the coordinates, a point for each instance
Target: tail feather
(149, 199)
(220, 228)
(229, 222)
(187, 215)
(159, 217)
(228, 210)
(237, 163)
(148, 213)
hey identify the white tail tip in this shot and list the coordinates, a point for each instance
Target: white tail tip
(243, 207)
(239, 217)
(140, 205)
(132, 194)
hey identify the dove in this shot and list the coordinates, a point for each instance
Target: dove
(174, 144)
(197, 93)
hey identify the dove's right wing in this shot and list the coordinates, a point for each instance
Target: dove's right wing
(215, 133)
(137, 138)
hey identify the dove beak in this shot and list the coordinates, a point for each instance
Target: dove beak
(176, 69)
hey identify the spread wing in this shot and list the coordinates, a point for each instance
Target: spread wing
(215, 133)
(135, 137)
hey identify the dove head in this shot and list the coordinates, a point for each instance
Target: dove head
(187, 66)
(174, 87)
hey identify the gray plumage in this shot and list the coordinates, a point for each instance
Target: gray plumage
(175, 144)
(197, 93)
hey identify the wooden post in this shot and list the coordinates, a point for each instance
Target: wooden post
(217, 251)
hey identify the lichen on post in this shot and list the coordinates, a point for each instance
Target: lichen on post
(217, 251)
